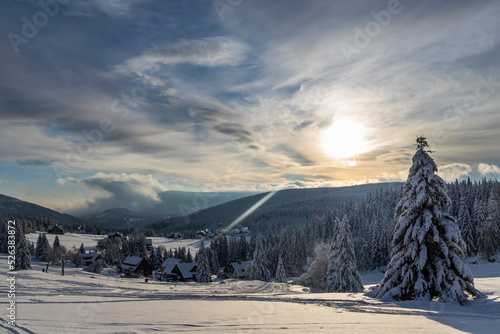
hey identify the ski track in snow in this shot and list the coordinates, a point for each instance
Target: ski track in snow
(82, 302)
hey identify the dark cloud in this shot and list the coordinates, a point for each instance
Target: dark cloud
(34, 162)
(237, 131)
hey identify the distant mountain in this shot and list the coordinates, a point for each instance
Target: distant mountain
(286, 207)
(120, 218)
(180, 203)
(173, 204)
(13, 208)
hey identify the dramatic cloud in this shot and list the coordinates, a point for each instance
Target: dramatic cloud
(131, 191)
(187, 94)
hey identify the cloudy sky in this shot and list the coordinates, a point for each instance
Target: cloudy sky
(113, 101)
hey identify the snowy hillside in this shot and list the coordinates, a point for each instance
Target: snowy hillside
(81, 302)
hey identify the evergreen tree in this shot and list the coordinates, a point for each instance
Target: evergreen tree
(242, 248)
(427, 248)
(153, 258)
(214, 262)
(280, 271)
(489, 231)
(23, 255)
(260, 267)
(40, 245)
(57, 243)
(203, 266)
(377, 242)
(32, 248)
(232, 251)
(466, 227)
(342, 273)
(189, 257)
(82, 249)
(4, 246)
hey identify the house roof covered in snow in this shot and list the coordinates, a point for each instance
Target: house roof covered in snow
(169, 265)
(240, 267)
(132, 261)
(187, 270)
(91, 257)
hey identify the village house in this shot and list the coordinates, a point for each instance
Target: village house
(165, 273)
(236, 269)
(136, 265)
(90, 258)
(184, 272)
(55, 229)
(117, 235)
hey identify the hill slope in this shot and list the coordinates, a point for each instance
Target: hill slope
(13, 208)
(286, 207)
(180, 203)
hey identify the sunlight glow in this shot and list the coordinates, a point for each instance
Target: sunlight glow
(344, 139)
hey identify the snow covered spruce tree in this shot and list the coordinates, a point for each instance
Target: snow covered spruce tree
(280, 271)
(427, 248)
(342, 273)
(259, 269)
(23, 255)
(489, 230)
(203, 265)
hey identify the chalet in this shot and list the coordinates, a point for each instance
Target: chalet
(236, 269)
(55, 229)
(149, 244)
(117, 235)
(184, 272)
(136, 265)
(220, 230)
(169, 264)
(90, 258)
(165, 273)
(174, 235)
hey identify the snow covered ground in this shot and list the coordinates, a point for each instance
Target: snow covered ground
(81, 302)
(70, 240)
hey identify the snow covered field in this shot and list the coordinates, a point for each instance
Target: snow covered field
(70, 240)
(81, 302)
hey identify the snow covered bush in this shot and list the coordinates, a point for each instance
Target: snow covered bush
(315, 277)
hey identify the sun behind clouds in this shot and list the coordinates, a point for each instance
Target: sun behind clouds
(345, 139)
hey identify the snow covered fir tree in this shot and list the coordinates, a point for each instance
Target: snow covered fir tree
(23, 254)
(427, 246)
(259, 269)
(280, 271)
(342, 272)
(203, 265)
